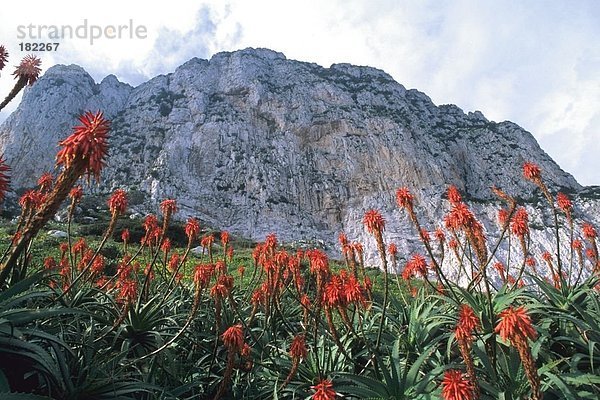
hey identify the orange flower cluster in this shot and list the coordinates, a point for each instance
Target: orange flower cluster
(532, 172)
(564, 203)
(343, 289)
(29, 69)
(298, 347)
(467, 323)
(76, 193)
(520, 223)
(323, 390)
(168, 206)
(589, 232)
(416, 266)
(45, 182)
(233, 338)
(456, 386)
(224, 238)
(87, 146)
(117, 203)
(460, 218)
(404, 198)
(454, 196)
(153, 231)
(203, 273)
(374, 222)
(515, 326)
(192, 229)
(207, 241)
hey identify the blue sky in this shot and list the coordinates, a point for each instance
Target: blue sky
(536, 63)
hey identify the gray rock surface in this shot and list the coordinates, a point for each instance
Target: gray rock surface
(254, 143)
(57, 234)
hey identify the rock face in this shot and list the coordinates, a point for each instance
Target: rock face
(255, 143)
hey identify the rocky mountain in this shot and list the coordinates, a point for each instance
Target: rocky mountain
(255, 143)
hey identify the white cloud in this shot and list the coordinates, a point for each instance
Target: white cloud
(536, 63)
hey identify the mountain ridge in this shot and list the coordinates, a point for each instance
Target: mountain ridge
(256, 143)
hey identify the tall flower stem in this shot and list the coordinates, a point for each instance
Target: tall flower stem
(382, 255)
(26, 73)
(63, 185)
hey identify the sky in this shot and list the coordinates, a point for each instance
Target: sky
(535, 63)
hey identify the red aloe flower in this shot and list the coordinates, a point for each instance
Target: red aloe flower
(440, 235)
(564, 202)
(150, 225)
(343, 239)
(546, 256)
(207, 241)
(323, 390)
(45, 182)
(3, 57)
(224, 238)
(353, 291)
(26, 73)
(467, 322)
(298, 347)
(502, 216)
(29, 69)
(80, 246)
(318, 262)
(515, 326)
(532, 172)
(333, 294)
(192, 229)
(515, 322)
(393, 252)
(454, 195)
(358, 247)
(233, 338)
(417, 265)
(425, 235)
(117, 203)
(76, 193)
(88, 144)
(168, 207)
(128, 290)
(460, 217)
(220, 268)
(520, 223)
(202, 274)
(271, 241)
(498, 266)
(125, 235)
(591, 254)
(166, 246)
(404, 198)
(374, 222)
(98, 264)
(31, 199)
(589, 231)
(50, 263)
(456, 386)
(4, 178)
(393, 249)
